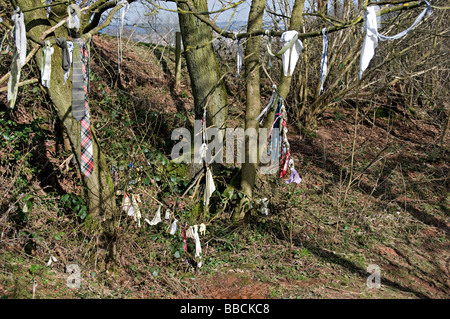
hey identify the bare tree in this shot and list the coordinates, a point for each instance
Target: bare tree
(344, 20)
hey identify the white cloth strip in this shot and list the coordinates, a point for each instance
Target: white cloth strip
(324, 61)
(292, 54)
(20, 36)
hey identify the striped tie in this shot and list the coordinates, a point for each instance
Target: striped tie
(87, 156)
(78, 83)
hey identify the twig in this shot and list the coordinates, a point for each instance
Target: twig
(196, 187)
(31, 81)
(193, 183)
(66, 163)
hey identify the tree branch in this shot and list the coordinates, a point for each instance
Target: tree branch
(96, 13)
(214, 26)
(107, 20)
(336, 27)
(46, 5)
(31, 81)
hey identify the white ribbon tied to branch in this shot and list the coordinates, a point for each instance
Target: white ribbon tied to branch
(123, 13)
(372, 35)
(20, 36)
(156, 219)
(47, 65)
(324, 61)
(290, 52)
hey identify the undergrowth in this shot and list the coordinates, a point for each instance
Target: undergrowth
(316, 241)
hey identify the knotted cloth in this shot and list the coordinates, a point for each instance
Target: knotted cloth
(80, 103)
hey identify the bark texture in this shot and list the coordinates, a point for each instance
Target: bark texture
(253, 104)
(99, 186)
(204, 72)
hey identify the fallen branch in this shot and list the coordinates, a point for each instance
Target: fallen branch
(31, 81)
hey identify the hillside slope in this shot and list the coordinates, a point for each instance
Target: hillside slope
(317, 242)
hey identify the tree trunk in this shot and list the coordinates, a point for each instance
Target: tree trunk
(253, 105)
(101, 202)
(207, 85)
(248, 176)
(204, 71)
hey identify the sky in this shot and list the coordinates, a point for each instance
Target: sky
(136, 12)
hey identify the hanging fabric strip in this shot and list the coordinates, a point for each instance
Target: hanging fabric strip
(87, 156)
(202, 151)
(204, 137)
(69, 52)
(289, 53)
(204, 147)
(274, 143)
(324, 61)
(198, 246)
(126, 205)
(48, 2)
(184, 235)
(291, 56)
(269, 50)
(78, 84)
(131, 207)
(20, 36)
(419, 18)
(192, 233)
(285, 148)
(123, 11)
(13, 81)
(156, 219)
(173, 227)
(137, 212)
(74, 13)
(202, 229)
(294, 178)
(47, 52)
(239, 56)
(209, 188)
(66, 55)
(370, 40)
(287, 46)
(18, 58)
(272, 101)
(372, 35)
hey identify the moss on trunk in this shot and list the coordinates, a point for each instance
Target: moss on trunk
(100, 190)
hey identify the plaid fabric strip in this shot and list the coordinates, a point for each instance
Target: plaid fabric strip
(284, 150)
(87, 154)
